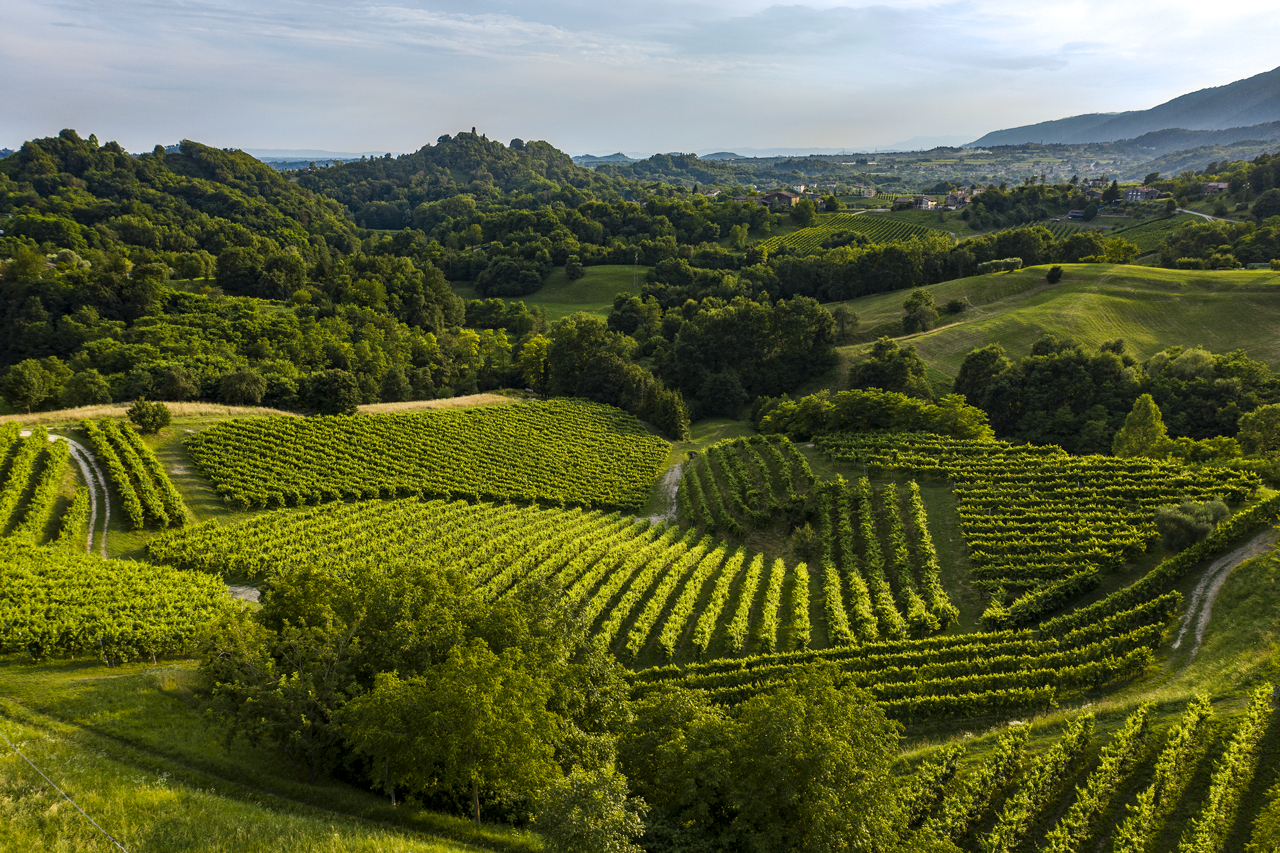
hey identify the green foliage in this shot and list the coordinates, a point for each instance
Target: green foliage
(921, 312)
(803, 767)
(892, 368)
(588, 811)
(1000, 265)
(149, 416)
(1260, 430)
(1188, 522)
(977, 372)
(870, 410)
(803, 213)
(55, 602)
(1054, 275)
(1143, 433)
(477, 721)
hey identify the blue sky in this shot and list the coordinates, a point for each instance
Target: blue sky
(603, 76)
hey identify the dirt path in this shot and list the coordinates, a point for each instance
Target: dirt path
(667, 488)
(1206, 591)
(96, 481)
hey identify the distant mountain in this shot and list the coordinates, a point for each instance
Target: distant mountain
(1255, 100)
(268, 154)
(721, 155)
(5, 152)
(590, 160)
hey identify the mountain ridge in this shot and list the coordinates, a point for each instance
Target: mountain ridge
(1251, 101)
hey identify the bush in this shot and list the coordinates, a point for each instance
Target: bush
(1002, 265)
(1189, 522)
(148, 416)
(573, 268)
(1054, 275)
(956, 306)
(807, 542)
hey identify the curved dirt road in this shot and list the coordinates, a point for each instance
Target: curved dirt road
(1200, 609)
(96, 481)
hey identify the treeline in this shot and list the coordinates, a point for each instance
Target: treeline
(1065, 394)
(861, 268)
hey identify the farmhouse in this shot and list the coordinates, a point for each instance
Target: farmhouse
(780, 198)
(1215, 187)
(1075, 214)
(924, 202)
(1141, 194)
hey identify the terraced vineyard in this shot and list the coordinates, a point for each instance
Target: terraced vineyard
(562, 452)
(878, 228)
(1041, 524)
(32, 508)
(880, 573)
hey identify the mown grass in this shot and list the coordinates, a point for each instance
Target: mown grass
(592, 294)
(1149, 308)
(131, 747)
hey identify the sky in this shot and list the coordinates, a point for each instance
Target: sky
(597, 77)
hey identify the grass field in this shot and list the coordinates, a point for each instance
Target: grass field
(131, 747)
(592, 294)
(1149, 308)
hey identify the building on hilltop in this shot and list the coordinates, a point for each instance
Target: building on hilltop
(1141, 194)
(1215, 187)
(924, 202)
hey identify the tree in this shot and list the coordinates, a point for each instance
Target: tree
(1267, 205)
(396, 387)
(588, 812)
(1150, 179)
(846, 322)
(811, 768)
(284, 687)
(892, 368)
(979, 368)
(804, 212)
(28, 384)
(1119, 251)
(1260, 430)
(1143, 433)
(148, 416)
(722, 394)
(831, 204)
(532, 363)
(477, 721)
(1090, 212)
(738, 237)
(1112, 193)
(1054, 275)
(334, 392)
(921, 312)
(86, 388)
(573, 269)
(242, 388)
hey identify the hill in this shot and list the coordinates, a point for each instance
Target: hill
(1149, 308)
(1245, 102)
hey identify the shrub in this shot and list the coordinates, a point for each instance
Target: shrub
(148, 416)
(1054, 275)
(1189, 522)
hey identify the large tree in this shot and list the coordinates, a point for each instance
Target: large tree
(1143, 433)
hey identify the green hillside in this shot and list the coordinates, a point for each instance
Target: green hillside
(592, 294)
(1151, 309)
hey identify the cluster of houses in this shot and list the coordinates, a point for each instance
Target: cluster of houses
(953, 201)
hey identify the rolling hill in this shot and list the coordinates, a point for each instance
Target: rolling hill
(1149, 308)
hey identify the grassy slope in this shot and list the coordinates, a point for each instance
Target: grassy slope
(1149, 308)
(130, 745)
(592, 294)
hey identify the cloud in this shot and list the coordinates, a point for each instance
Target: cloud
(392, 74)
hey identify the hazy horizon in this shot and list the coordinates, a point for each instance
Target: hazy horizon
(705, 76)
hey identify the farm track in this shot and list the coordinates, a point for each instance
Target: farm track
(667, 489)
(1206, 591)
(94, 479)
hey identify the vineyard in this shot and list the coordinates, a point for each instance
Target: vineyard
(32, 509)
(555, 452)
(54, 602)
(1147, 236)
(879, 569)
(1041, 524)
(145, 490)
(1013, 800)
(877, 228)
